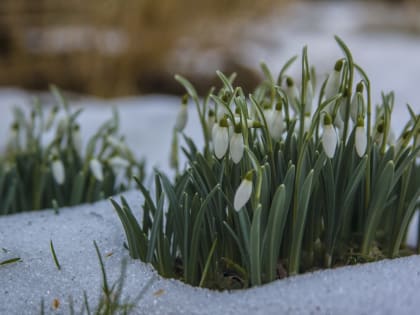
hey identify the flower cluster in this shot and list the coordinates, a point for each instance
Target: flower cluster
(311, 178)
(46, 163)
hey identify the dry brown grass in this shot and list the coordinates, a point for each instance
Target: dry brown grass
(65, 42)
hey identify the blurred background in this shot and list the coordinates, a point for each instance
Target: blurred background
(112, 48)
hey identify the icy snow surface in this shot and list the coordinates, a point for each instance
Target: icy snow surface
(386, 287)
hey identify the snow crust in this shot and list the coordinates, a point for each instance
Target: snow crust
(385, 287)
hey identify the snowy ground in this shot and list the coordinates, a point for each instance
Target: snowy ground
(387, 287)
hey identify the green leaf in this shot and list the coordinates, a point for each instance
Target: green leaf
(376, 206)
(255, 247)
(187, 85)
(299, 224)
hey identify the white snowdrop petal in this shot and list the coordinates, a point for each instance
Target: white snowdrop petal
(242, 195)
(333, 84)
(360, 140)
(96, 169)
(236, 147)
(77, 140)
(182, 118)
(58, 171)
(220, 140)
(277, 125)
(118, 162)
(329, 140)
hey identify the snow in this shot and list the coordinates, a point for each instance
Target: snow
(385, 287)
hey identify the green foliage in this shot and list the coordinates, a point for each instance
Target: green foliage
(322, 195)
(45, 166)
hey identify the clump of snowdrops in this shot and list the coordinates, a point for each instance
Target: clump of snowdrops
(285, 183)
(45, 164)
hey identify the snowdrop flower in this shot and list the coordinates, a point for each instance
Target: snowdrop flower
(243, 193)
(378, 136)
(329, 137)
(96, 169)
(333, 82)
(51, 117)
(220, 135)
(62, 126)
(118, 163)
(268, 114)
(182, 118)
(357, 105)
(292, 93)
(360, 137)
(58, 172)
(13, 141)
(77, 138)
(117, 144)
(403, 141)
(236, 147)
(309, 97)
(276, 125)
(211, 120)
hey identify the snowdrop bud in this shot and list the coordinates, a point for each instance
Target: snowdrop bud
(77, 138)
(13, 141)
(51, 117)
(182, 118)
(243, 193)
(360, 137)
(309, 97)
(236, 145)
(58, 170)
(211, 120)
(63, 124)
(276, 125)
(403, 141)
(118, 162)
(329, 137)
(378, 136)
(292, 93)
(117, 144)
(356, 106)
(268, 114)
(220, 136)
(333, 81)
(96, 169)
(343, 104)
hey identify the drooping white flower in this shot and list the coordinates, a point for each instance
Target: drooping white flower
(117, 144)
(276, 125)
(360, 138)
(378, 135)
(58, 172)
(51, 117)
(309, 97)
(236, 147)
(243, 193)
(333, 82)
(77, 138)
(292, 94)
(117, 163)
(220, 137)
(182, 117)
(329, 137)
(211, 120)
(13, 141)
(96, 169)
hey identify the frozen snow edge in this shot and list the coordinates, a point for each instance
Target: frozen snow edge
(385, 287)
